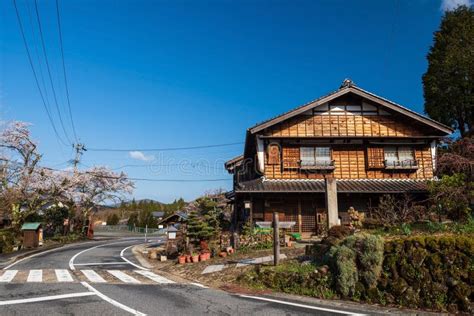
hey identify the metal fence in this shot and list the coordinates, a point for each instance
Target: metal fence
(131, 229)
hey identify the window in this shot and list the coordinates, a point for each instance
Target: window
(399, 157)
(390, 155)
(375, 157)
(315, 156)
(405, 154)
(307, 156)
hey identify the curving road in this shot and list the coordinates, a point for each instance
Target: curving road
(104, 278)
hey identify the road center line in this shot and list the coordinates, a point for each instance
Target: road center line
(301, 305)
(112, 301)
(46, 298)
(133, 264)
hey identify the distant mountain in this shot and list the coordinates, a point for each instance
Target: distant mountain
(136, 201)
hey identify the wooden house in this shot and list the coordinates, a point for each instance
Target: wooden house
(344, 149)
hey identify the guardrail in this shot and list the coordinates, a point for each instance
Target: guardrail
(126, 228)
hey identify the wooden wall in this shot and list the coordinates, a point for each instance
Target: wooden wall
(343, 125)
(350, 163)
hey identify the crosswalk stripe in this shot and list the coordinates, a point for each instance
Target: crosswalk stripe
(35, 276)
(154, 277)
(8, 275)
(92, 276)
(63, 275)
(123, 276)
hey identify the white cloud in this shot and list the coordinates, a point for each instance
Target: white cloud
(140, 156)
(448, 5)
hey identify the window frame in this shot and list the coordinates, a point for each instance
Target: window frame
(398, 163)
(317, 160)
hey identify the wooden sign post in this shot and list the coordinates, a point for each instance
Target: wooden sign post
(276, 239)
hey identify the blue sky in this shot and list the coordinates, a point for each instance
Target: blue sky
(154, 74)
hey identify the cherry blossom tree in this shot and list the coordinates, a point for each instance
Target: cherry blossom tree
(26, 186)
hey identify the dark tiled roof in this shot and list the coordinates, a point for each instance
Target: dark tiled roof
(233, 162)
(158, 214)
(343, 186)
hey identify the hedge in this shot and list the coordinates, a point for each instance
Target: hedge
(435, 272)
(430, 272)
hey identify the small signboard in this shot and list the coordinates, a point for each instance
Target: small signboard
(284, 225)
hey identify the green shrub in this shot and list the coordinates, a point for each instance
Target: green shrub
(345, 268)
(357, 257)
(7, 240)
(291, 277)
(406, 229)
(370, 258)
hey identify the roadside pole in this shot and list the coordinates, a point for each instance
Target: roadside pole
(146, 232)
(276, 239)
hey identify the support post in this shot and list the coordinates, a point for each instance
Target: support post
(276, 239)
(300, 217)
(331, 202)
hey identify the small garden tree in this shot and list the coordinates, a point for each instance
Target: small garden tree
(451, 196)
(113, 219)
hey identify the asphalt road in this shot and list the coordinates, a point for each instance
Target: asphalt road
(114, 283)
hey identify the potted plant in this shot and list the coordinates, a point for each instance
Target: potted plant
(182, 259)
(203, 257)
(195, 257)
(188, 259)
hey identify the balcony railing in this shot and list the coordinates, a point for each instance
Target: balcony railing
(408, 164)
(318, 165)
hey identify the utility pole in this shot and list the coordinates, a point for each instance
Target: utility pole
(80, 149)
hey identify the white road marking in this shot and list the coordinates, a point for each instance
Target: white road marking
(71, 261)
(46, 298)
(199, 285)
(123, 276)
(133, 264)
(8, 275)
(93, 276)
(111, 301)
(63, 275)
(35, 276)
(154, 277)
(40, 253)
(301, 305)
(99, 263)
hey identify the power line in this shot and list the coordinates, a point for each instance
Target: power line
(97, 175)
(152, 165)
(49, 71)
(164, 148)
(64, 71)
(35, 75)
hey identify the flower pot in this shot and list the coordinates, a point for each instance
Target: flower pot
(208, 255)
(195, 258)
(182, 259)
(202, 257)
(188, 259)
